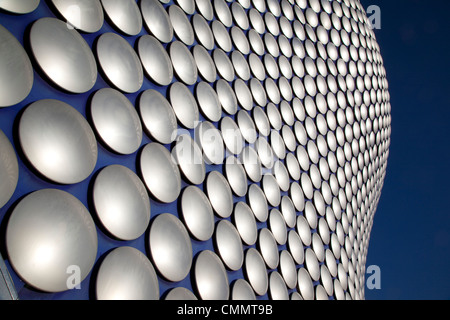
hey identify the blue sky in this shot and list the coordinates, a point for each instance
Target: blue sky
(410, 239)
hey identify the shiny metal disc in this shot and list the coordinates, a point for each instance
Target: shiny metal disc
(203, 32)
(258, 92)
(19, 7)
(184, 105)
(256, 271)
(125, 15)
(160, 173)
(197, 213)
(181, 26)
(256, 42)
(265, 152)
(223, 12)
(126, 274)
(223, 64)
(271, 190)
(258, 202)
(256, 66)
(274, 116)
(180, 293)
(242, 290)
(210, 140)
(232, 136)
(17, 72)
(205, 8)
(58, 141)
(170, 247)
(304, 230)
(293, 166)
(278, 226)
(208, 101)
(261, 121)
(312, 264)
(219, 194)
(121, 202)
(295, 246)
(9, 170)
(252, 163)
(281, 175)
(278, 145)
(240, 65)
(288, 211)
(288, 269)
(205, 63)
(245, 223)
(116, 121)
(243, 94)
(188, 6)
(84, 15)
(183, 63)
(297, 196)
(63, 55)
(268, 248)
(211, 278)
(188, 156)
(229, 245)
(277, 287)
(157, 116)
(157, 20)
(247, 126)
(240, 16)
(120, 62)
(155, 60)
(220, 32)
(42, 249)
(227, 97)
(240, 41)
(305, 284)
(236, 176)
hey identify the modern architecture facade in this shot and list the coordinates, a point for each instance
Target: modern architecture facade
(189, 149)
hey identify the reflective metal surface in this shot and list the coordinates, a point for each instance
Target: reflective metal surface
(157, 20)
(42, 247)
(170, 247)
(305, 284)
(184, 105)
(197, 213)
(277, 286)
(126, 274)
(183, 63)
(268, 248)
(116, 121)
(208, 101)
(271, 189)
(229, 245)
(256, 272)
(245, 223)
(210, 140)
(157, 116)
(223, 64)
(125, 15)
(232, 137)
(181, 26)
(219, 194)
(278, 226)
(258, 202)
(121, 202)
(155, 60)
(205, 64)
(236, 176)
(180, 293)
(226, 96)
(288, 269)
(19, 6)
(160, 173)
(17, 72)
(188, 156)
(241, 290)
(58, 141)
(84, 15)
(63, 55)
(120, 62)
(252, 164)
(9, 170)
(211, 278)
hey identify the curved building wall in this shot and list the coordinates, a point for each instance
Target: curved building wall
(189, 149)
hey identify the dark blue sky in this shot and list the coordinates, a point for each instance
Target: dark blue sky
(410, 239)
